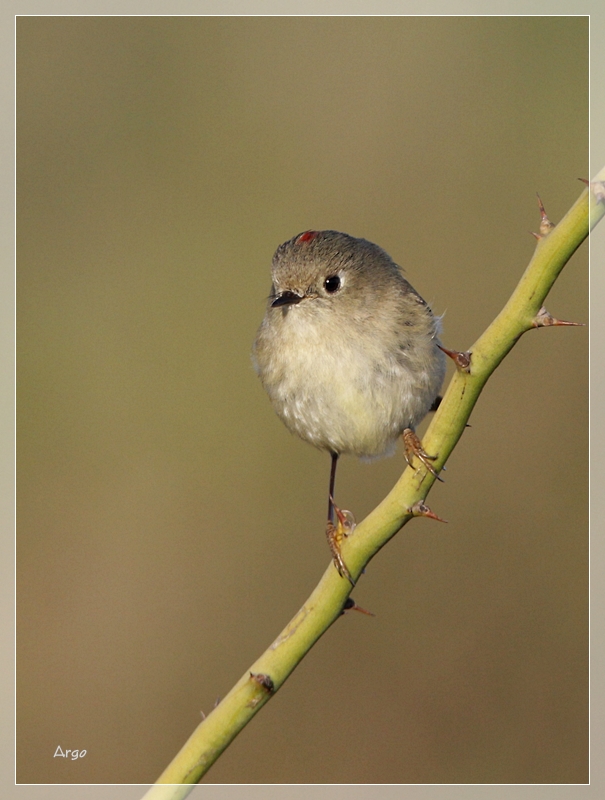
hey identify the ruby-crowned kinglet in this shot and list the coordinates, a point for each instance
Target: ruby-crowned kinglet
(347, 352)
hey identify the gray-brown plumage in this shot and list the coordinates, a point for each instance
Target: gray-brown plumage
(347, 351)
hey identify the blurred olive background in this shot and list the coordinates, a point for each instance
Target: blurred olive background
(168, 524)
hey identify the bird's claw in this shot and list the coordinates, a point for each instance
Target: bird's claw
(345, 524)
(413, 447)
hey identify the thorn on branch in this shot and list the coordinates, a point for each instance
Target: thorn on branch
(419, 509)
(544, 319)
(351, 605)
(546, 225)
(597, 188)
(264, 681)
(461, 360)
(346, 520)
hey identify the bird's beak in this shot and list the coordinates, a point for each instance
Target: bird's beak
(286, 299)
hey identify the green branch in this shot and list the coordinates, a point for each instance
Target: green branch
(523, 312)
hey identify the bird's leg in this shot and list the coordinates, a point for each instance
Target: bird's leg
(413, 447)
(336, 531)
(331, 489)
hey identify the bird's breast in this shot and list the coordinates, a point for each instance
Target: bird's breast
(338, 390)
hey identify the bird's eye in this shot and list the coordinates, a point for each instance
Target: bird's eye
(332, 284)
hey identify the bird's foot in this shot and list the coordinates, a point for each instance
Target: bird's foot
(413, 447)
(345, 524)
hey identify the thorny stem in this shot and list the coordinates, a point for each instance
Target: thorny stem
(555, 247)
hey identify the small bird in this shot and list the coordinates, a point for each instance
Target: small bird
(348, 353)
